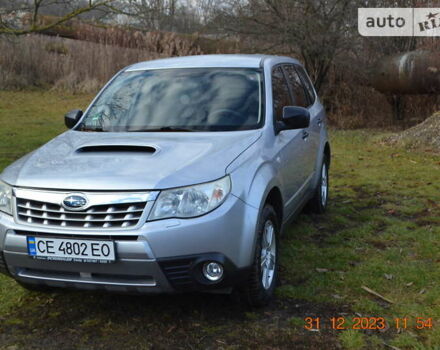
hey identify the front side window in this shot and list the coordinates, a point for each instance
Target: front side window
(307, 83)
(190, 99)
(296, 86)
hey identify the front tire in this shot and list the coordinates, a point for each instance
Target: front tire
(260, 287)
(319, 201)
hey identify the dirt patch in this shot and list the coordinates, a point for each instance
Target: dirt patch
(424, 135)
(88, 320)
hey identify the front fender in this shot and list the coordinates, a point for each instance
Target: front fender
(252, 177)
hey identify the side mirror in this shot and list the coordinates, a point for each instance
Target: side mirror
(294, 118)
(72, 118)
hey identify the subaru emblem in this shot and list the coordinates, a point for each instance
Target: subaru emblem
(75, 202)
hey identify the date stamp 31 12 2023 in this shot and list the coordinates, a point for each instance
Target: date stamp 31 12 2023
(367, 323)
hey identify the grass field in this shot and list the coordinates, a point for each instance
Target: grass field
(382, 231)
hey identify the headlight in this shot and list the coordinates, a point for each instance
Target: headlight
(191, 201)
(5, 198)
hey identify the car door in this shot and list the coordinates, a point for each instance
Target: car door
(317, 114)
(289, 143)
(309, 135)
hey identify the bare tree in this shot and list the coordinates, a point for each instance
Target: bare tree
(149, 14)
(315, 30)
(161, 15)
(10, 10)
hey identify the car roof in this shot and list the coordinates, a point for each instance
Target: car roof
(211, 61)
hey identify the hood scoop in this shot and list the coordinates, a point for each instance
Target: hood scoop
(116, 149)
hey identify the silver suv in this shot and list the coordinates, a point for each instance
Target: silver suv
(180, 176)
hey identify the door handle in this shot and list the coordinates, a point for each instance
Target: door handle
(305, 135)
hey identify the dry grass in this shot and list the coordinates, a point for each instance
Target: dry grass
(357, 106)
(76, 65)
(166, 43)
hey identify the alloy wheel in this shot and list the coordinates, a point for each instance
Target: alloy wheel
(268, 254)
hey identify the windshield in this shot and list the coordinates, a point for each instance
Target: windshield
(179, 100)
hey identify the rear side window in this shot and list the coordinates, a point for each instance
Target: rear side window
(307, 84)
(296, 86)
(280, 92)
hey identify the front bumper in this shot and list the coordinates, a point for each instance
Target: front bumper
(159, 257)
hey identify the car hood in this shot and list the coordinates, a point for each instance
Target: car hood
(129, 161)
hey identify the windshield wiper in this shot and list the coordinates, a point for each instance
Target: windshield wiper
(163, 129)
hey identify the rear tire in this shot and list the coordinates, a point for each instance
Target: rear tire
(260, 286)
(319, 201)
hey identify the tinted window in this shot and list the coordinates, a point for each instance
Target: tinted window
(191, 99)
(296, 86)
(280, 91)
(307, 83)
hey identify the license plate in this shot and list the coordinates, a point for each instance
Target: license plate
(74, 250)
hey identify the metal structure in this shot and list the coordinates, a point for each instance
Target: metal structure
(415, 72)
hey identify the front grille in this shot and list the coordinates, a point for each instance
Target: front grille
(99, 236)
(99, 216)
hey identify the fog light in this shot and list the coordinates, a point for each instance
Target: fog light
(213, 271)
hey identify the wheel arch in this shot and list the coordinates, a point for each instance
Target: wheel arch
(275, 199)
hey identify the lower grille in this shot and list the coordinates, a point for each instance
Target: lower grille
(121, 215)
(178, 273)
(90, 278)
